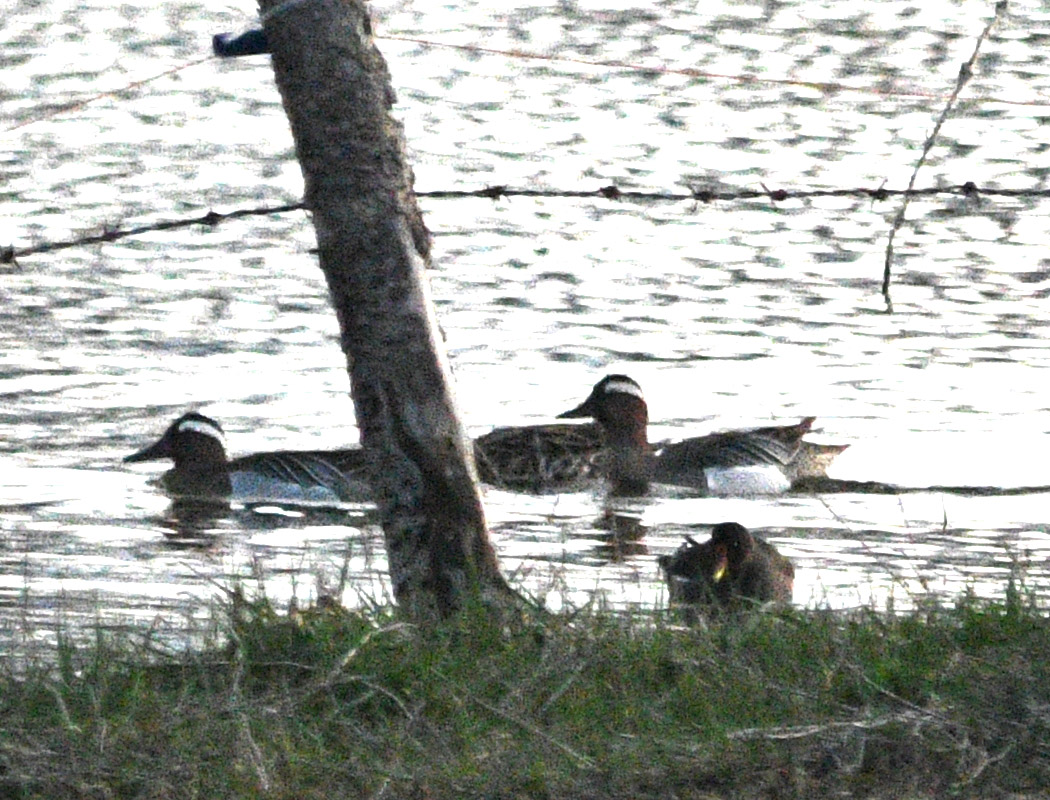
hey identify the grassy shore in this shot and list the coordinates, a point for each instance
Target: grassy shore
(329, 703)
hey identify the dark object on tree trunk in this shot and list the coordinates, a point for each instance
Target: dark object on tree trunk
(249, 43)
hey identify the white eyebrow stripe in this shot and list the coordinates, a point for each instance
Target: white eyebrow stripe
(624, 387)
(200, 426)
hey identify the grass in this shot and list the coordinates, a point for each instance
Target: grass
(326, 703)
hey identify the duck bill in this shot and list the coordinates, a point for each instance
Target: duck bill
(721, 564)
(155, 452)
(584, 409)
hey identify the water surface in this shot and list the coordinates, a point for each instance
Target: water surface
(729, 314)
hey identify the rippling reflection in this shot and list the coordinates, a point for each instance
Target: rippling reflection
(730, 314)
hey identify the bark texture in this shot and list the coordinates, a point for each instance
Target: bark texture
(374, 249)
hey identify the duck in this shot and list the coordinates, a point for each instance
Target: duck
(742, 462)
(734, 569)
(197, 445)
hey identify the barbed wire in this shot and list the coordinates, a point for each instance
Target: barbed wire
(827, 87)
(78, 104)
(965, 73)
(10, 254)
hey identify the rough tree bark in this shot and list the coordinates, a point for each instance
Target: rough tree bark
(374, 249)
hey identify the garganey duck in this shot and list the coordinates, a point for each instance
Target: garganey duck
(759, 461)
(202, 470)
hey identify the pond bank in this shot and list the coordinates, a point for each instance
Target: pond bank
(325, 702)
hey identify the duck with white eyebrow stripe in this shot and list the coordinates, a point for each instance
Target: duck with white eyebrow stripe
(760, 461)
(203, 472)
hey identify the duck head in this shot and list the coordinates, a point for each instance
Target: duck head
(193, 440)
(732, 544)
(617, 404)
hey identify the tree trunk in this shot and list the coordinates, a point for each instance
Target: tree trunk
(374, 249)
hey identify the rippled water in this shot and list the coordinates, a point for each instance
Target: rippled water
(730, 314)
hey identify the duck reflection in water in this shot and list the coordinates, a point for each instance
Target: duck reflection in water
(192, 523)
(733, 570)
(623, 538)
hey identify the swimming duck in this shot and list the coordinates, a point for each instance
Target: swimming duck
(733, 569)
(759, 461)
(196, 444)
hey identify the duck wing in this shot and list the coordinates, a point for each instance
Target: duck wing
(343, 472)
(775, 446)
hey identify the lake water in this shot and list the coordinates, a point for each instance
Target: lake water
(730, 314)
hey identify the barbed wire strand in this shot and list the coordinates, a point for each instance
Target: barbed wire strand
(828, 87)
(79, 104)
(965, 73)
(10, 254)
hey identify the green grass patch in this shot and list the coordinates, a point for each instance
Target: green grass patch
(326, 702)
